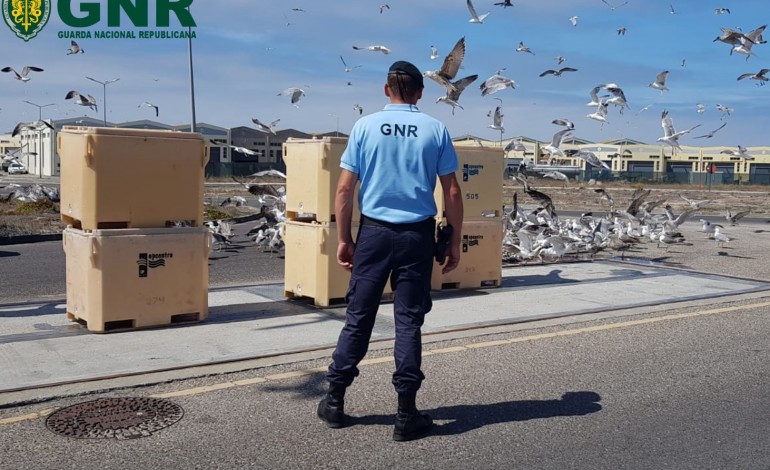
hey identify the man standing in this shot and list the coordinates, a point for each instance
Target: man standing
(396, 154)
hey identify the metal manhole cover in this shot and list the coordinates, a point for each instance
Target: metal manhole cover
(115, 418)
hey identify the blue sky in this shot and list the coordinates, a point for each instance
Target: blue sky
(246, 52)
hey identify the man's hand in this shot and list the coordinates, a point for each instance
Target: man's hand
(453, 258)
(345, 252)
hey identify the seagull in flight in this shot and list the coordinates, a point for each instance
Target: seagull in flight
(504, 4)
(557, 73)
(553, 148)
(34, 125)
(616, 6)
(595, 98)
(710, 134)
(522, 48)
(81, 99)
(359, 108)
(384, 7)
(721, 11)
(672, 11)
(618, 98)
(726, 111)
(266, 128)
(150, 105)
(497, 120)
(589, 157)
(760, 76)
(564, 122)
(453, 93)
(496, 83)
(433, 53)
(449, 67)
(475, 18)
(245, 151)
(295, 93)
(660, 82)
(348, 69)
(670, 136)
(74, 49)
(373, 48)
(559, 59)
(700, 108)
(24, 75)
(622, 31)
(600, 114)
(741, 153)
(574, 20)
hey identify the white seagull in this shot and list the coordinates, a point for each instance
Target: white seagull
(34, 125)
(595, 98)
(700, 108)
(24, 75)
(670, 136)
(357, 107)
(75, 48)
(553, 148)
(726, 111)
(710, 134)
(82, 100)
(348, 69)
(721, 11)
(660, 82)
(149, 105)
(475, 18)
(496, 83)
(433, 53)
(245, 151)
(721, 238)
(588, 157)
(522, 48)
(295, 93)
(266, 128)
(373, 48)
(497, 121)
(618, 97)
(574, 20)
(741, 153)
(564, 122)
(600, 114)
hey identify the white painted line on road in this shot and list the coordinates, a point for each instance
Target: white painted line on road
(449, 350)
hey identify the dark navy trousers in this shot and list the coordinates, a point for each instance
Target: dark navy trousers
(402, 254)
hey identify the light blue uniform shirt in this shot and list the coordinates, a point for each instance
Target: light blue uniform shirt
(397, 154)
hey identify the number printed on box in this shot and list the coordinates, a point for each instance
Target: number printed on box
(156, 300)
(472, 196)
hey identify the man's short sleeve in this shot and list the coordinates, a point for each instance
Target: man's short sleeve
(447, 160)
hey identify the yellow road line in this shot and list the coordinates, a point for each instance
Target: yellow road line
(449, 350)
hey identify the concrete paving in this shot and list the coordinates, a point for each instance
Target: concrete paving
(41, 349)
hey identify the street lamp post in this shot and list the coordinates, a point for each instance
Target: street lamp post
(104, 94)
(337, 132)
(39, 156)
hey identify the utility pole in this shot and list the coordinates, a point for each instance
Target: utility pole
(39, 156)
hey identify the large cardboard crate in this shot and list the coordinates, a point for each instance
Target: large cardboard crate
(481, 180)
(130, 178)
(136, 278)
(480, 258)
(311, 268)
(312, 171)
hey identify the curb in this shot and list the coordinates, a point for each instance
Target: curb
(22, 239)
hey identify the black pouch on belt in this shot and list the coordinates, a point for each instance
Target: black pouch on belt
(443, 235)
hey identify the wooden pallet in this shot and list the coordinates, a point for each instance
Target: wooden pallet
(326, 302)
(135, 324)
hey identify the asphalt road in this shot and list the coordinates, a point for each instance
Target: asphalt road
(683, 389)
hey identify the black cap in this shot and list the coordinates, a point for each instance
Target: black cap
(406, 68)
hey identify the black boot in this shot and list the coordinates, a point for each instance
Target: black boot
(410, 423)
(331, 409)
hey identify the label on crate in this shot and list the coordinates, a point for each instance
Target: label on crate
(470, 240)
(149, 261)
(471, 170)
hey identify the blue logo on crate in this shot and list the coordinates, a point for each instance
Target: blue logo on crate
(470, 240)
(149, 261)
(471, 170)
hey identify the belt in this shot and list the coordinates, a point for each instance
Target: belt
(429, 222)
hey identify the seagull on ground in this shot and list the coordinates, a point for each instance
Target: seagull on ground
(670, 136)
(295, 93)
(734, 218)
(708, 228)
(660, 82)
(710, 134)
(475, 18)
(24, 75)
(373, 48)
(557, 73)
(721, 238)
(449, 67)
(721, 11)
(33, 125)
(81, 99)
(760, 76)
(574, 20)
(453, 94)
(266, 128)
(245, 151)
(522, 48)
(741, 153)
(496, 83)
(348, 69)
(75, 49)
(149, 105)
